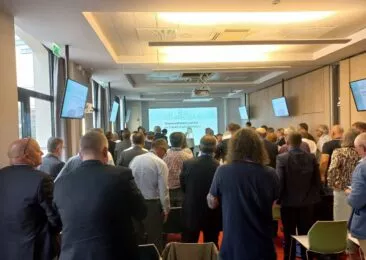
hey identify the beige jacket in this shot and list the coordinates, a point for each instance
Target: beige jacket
(184, 251)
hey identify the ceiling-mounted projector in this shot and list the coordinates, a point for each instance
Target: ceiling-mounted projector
(203, 91)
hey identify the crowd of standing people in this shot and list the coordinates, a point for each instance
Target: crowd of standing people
(117, 192)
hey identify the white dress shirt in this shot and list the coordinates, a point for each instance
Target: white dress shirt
(322, 140)
(151, 177)
(312, 145)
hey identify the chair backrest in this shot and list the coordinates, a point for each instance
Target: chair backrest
(148, 252)
(189, 251)
(328, 237)
(174, 225)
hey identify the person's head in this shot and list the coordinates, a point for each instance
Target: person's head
(232, 128)
(337, 132)
(126, 135)
(303, 127)
(322, 130)
(246, 145)
(349, 138)
(270, 130)
(138, 139)
(209, 131)
(280, 133)
(294, 139)
(208, 144)
(94, 146)
(142, 130)
(164, 131)
(189, 130)
(359, 126)
(360, 145)
(272, 137)
(160, 147)
(176, 139)
(219, 138)
(287, 133)
(25, 151)
(150, 136)
(248, 124)
(265, 127)
(109, 136)
(157, 129)
(55, 146)
(262, 132)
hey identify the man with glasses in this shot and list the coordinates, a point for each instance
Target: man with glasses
(29, 223)
(151, 176)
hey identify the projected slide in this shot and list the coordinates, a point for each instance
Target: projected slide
(243, 113)
(74, 100)
(359, 94)
(179, 119)
(280, 107)
(114, 112)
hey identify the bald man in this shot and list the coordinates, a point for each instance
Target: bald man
(97, 203)
(28, 221)
(357, 196)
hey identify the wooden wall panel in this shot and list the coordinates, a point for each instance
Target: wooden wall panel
(357, 71)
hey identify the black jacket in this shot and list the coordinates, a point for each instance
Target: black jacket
(222, 149)
(272, 151)
(299, 178)
(195, 179)
(28, 221)
(96, 204)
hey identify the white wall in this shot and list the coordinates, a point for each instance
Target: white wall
(8, 87)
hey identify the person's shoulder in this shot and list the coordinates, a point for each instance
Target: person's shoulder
(283, 156)
(118, 171)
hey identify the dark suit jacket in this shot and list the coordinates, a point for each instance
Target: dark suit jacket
(221, 150)
(120, 147)
(299, 178)
(111, 149)
(28, 221)
(160, 136)
(127, 155)
(195, 179)
(51, 165)
(96, 205)
(272, 151)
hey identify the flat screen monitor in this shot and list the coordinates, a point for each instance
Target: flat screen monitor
(358, 89)
(280, 107)
(73, 105)
(243, 113)
(114, 112)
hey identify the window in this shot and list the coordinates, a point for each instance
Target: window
(35, 102)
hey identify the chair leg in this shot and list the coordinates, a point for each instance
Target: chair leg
(307, 254)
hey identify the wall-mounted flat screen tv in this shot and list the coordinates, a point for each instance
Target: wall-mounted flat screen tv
(114, 112)
(243, 113)
(280, 107)
(358, 89)
(73, 105)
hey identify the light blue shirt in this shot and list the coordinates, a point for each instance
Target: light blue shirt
(151, 177)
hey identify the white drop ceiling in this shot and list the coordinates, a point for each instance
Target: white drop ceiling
(111, 38)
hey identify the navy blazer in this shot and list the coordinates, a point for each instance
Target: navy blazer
(28, 221)
(97, 203)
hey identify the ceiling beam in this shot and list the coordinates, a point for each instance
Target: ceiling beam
(254, 42)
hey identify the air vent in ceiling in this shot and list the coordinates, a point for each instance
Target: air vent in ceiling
(231, 35)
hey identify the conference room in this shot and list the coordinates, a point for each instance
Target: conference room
(194, 68)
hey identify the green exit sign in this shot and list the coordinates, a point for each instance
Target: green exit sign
(56, 50)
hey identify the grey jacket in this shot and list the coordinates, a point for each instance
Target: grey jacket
(51, 165)
(127, 156)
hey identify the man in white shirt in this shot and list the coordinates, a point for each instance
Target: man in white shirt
(322, 132)
(151, 177)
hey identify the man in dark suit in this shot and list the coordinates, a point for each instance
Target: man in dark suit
(28, 221)
(97, 205)
(271, 148)
(222, 148)
(195, 180)
(137, 148)
(299, 191)
(51, 163)
(124, 144)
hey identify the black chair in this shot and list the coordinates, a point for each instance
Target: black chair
(148, 252)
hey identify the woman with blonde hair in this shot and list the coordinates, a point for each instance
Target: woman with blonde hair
(246, 189)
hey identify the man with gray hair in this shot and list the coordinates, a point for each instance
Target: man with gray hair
(51, 163)
(322, 132)
(158, 134)
(75, 161)
(357, 197)
(195, 180)
(97, 205)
